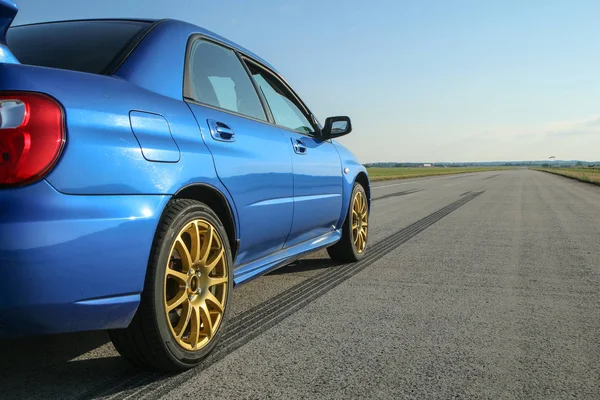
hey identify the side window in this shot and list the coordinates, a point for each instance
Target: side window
(216, 77)
(281, 102)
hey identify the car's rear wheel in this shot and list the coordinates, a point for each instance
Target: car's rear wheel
(353, 244)
(186, 293)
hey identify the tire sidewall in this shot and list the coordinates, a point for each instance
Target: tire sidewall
(178, 354)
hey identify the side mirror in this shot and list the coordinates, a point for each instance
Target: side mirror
(336, 127)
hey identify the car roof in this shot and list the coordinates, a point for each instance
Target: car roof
(175, 24)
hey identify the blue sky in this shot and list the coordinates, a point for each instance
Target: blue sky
(422, 80)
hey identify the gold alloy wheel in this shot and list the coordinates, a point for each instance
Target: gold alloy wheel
(360, 224)
(195, 286)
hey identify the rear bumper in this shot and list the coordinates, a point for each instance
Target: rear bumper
(72, 263)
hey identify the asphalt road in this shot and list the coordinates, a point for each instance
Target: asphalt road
(481, 285)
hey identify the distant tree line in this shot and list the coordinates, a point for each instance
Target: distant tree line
(544, 164)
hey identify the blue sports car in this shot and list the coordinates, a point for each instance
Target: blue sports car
(148, 167)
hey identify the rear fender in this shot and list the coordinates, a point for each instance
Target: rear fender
(102, 155)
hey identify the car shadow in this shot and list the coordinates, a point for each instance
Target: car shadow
(306, 265)
(57, 366)
(85, 364)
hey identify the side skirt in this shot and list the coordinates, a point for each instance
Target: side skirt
(254, 269)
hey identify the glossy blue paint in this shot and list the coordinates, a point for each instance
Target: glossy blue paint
(113, 300)
(74, 247)
(317, 189)
(355, 169)
(154, 136)
(60, 251)
(256, 169)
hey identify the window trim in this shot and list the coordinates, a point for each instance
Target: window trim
(237, 114)
(262, 98)
(187, 85)
(129, 48)
(244, 58)
(296, 99)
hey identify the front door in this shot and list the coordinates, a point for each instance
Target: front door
(251, 156)
(316, 163)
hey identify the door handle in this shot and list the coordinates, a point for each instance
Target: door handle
(299, 147)
(220, 131)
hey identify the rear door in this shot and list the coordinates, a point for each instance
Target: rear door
(316, 162)
(251, 156)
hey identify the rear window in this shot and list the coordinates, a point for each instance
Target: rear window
(87, 46)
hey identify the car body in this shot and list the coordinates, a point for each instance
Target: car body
(75, 237)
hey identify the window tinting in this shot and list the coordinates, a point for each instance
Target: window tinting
(281, 102)
(217, 77)
(87, 46)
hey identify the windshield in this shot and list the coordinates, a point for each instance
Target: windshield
(87, 46)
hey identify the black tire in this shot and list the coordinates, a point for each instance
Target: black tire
(148, 341)
(344, 250)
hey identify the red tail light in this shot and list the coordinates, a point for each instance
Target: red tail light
(32, 135)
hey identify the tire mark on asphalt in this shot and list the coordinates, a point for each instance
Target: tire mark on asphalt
(137, 383)
(403, 193)
(490, 177)
(465, 193)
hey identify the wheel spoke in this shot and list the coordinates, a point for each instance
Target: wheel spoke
(195, 331)
(216, 281)
(194, 232)
(207, 244)
(356, 238)
(186, 313)
(180, 276)
(207, 327)
(216, 261)
(213, 300)
(176, 301)
(184, 253)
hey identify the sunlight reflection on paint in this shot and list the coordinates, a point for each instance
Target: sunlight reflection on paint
(146, 212)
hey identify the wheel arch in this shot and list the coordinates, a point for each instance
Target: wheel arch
(356, 174)
(219, 203)
(363, 179)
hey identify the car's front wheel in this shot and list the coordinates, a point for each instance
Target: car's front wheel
(353, 244)
(186, 294)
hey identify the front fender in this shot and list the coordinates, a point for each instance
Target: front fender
(352, 171)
